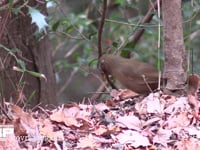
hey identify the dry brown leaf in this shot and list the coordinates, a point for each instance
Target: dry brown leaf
(134, 138)
(151, 104)
(87, 142)
(19, 129)
(82, 116)
(111, 102)
(101, 130)
(193, 132)
(72, 111)
(9, 143)
(27, 122)
(15, 110)
(162, 137)
(113, 129)
(169, 99)
(188, 144)
(101, 107)
(130, 122)
(122, 94)
(126, 93)
(62, 115)
(151, 121)
(179, 120)
(106, 130)
(115, 94)
(180, 105)
(47, 131)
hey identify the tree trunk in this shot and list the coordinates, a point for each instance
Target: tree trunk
(174, 49)
(19, 33)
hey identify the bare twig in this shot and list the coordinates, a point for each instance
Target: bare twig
(131, 24)
(3, 110)
(147, 84)
(99, 92)
(71, 51)
(59, 45)
(146, 19)
(82, 35)
(100, 40)
(69, 36)
(100, 30)
(159, 38)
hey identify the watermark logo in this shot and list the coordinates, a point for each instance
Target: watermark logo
(6, 130)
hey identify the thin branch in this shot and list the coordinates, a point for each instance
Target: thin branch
(100, 40)
(159, 38)
(59, 45)
(131, 24)
(2, 108)
(71, 51)
(99, 92)
(100, 30)
(146, 19)
(69, 36)
(82, 35)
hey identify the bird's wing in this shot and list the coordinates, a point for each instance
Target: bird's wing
(149, 74)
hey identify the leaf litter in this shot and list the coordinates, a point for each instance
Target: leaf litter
(125, 121)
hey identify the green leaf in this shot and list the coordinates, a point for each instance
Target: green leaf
(119, 2)
(31, 96)
(38, 18)
(125, 53)
(22, 64)
(129, 45)
(115, 44)
(91, 35)
(10, 4)
(69, 28)
(92, 62)
(55, 25)
(76, 56)
(36, 74)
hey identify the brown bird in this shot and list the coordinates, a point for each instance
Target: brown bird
(137, 76)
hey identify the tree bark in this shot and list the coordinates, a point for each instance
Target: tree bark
(174, 49)
(19, 33)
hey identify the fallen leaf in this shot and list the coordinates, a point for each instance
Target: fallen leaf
(122, 94)
(187, 144)
(178, 120)
(64, 115)
(87, 142)
(133, 137)
(151, 104)
(162, 137)
(47, 131)
(130, 122)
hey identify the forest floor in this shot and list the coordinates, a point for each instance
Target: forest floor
(125, 121)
